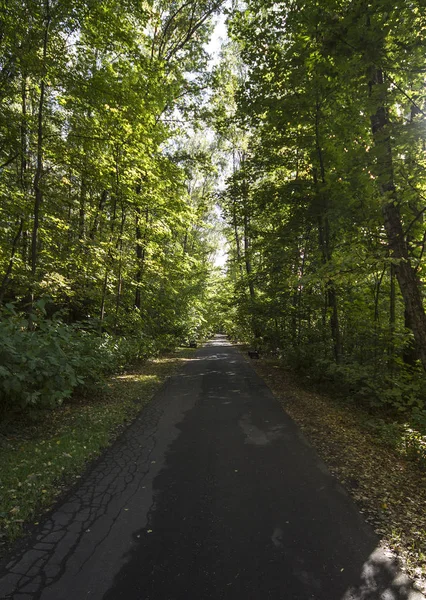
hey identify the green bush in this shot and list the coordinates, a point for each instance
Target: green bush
(42, 366)
(35, 368)
(404, 391)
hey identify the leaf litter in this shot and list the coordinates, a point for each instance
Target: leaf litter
(389, 489)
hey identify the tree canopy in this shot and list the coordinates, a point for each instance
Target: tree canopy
(116, 136)
(105, 204)
(325, 203)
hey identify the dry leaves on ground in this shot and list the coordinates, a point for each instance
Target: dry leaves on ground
(389, 490)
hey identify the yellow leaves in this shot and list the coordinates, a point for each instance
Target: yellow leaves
(58, 223)
(387, 489)
(111, 108)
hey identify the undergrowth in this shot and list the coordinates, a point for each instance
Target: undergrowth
(44, 451)
(380, 460)
(43, 365)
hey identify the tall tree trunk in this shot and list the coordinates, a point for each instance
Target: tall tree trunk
(247, 258)
(324, 241)
(234, 218)
(410, 354)
(330, 290)
(377, 288)
(140, 254)
(82, 209)
(24, 133)
(102, 201)
(248, 266)
(6, 276)
(120, 267)
(103, 300)
(246, 242)
(109, 262)
(237, 237)
(392, 320)
(295, 300)
(404, 271)
(38, 192)
(22, 179)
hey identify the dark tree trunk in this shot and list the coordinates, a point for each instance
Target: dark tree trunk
(330, 291)
(120, 268)
(324, 241)
(250, 283)
(23, 170)
(247, 259)
(392, 319)
(377, 288)
(410, 354)
(140, 254)
(109, 262)
(82, 210)
(103, 300)
(38, 192)
(237, 237)
(24, 134)
(404, 271)
(235, 220)
(102, 201)
(6, 277)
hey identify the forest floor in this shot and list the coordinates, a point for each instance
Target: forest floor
(389, 490)
(42, 456)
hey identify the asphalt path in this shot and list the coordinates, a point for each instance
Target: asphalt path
(212, 493)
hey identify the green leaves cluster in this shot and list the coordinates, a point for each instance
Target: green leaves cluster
(42, 367)
(325, 201)
(99, 211)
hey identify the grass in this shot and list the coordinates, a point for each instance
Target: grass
(369, 457)
(43, 455)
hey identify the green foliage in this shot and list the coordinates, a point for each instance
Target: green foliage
(404, 392)
(41, 454)
(406, 438)
(317, 270)
(42, 367)
(38, 368)
(104, 201)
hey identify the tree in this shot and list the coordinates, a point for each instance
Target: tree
(332, 102)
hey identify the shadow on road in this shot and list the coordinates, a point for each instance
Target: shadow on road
(213, 493)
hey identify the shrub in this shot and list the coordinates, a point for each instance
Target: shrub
(35, 368)
(42, 367)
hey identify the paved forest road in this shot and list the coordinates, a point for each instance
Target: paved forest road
(212, 493)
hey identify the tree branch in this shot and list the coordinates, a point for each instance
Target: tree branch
(9, 160)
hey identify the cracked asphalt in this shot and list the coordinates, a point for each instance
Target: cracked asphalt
(212, 493)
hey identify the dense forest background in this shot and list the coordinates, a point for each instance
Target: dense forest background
(107, 228)
(118, 143)
(325, 206)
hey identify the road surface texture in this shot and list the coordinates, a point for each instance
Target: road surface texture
(212, 493)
